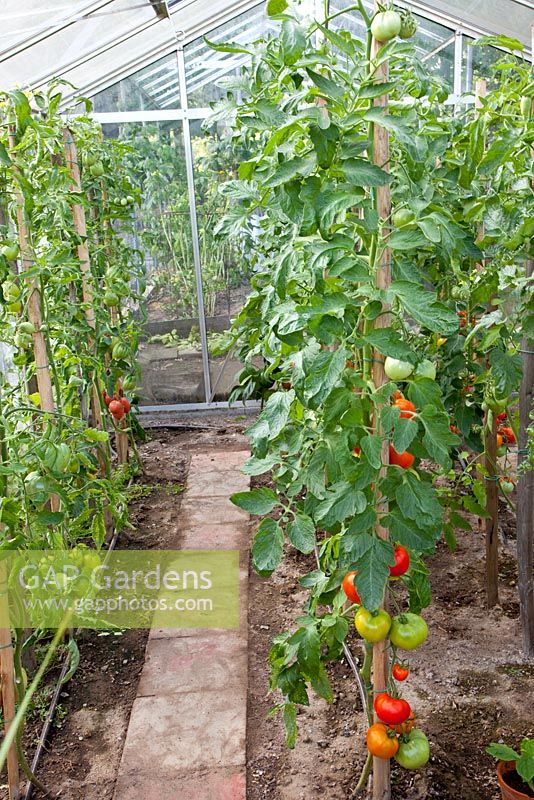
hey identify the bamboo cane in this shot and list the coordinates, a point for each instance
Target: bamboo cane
(42, 367)
(7, 683)
(525, 490)
(381, 768)
(490, 456)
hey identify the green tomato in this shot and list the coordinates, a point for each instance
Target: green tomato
(402, 217)
(408, 631)
(426, 369)
(10, 251)
(414, 750)
(386, 25)
(507, 486)
(397, 370)
(111, 299)
(129, 383)
(22, 341)
(90, 159)
(372, 626)
(36, 487)
(130, 199)
(408, 25)
(97, 169)
(15, 308)
(26, 327)
(124, 201)
(11, 291)
(120, 351)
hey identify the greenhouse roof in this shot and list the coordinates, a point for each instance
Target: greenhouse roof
(94, 44)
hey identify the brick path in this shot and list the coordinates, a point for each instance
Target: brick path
(186, 738)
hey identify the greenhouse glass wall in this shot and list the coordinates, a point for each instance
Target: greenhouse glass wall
(153, 82)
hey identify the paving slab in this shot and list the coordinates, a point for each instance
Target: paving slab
(193, 664)
(216, 537)
(219, 460)
(209, 785)
(177, 733)
(196, 512)
(211, 483)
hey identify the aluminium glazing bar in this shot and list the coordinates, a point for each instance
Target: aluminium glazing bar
(190, 171)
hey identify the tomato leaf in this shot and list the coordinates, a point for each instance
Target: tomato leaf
(405, 433)
(424, 307)
(372, 449)
(258, 501)
(424, 392)
(50, 517)
(506, 370)
(419, 590)
(301, 533)
(361, 173)
(341, 501)
(290, 724)
(268, 546)
(407, 240)
(418, 501)
(388, 342)
(438, 436)
(409, 534)
(373, 572)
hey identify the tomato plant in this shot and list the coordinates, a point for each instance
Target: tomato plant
(321, 312)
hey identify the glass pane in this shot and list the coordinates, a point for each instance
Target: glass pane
(153, 87)
(225, 275)
(170, 353)
(205, 67)
(477, 63)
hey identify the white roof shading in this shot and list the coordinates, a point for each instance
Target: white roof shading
(95, 44)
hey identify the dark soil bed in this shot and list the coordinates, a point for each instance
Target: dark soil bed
(468, 688)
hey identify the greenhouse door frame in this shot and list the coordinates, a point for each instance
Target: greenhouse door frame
(184, 115)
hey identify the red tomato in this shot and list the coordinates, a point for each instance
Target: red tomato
(407, 408)
(463, 318)
(502, 416)
(400, 672)
(125, 404)
(454, 429)
(397, 396)
(350, 589)
(117, 409)
(107, 399)
(391, 710)
(404, 460)
(508, 434)
(357, 452)
(402, 562)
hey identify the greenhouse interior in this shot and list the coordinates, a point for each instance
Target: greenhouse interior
(266, 399)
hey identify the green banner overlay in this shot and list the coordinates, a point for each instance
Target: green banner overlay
(123, 589)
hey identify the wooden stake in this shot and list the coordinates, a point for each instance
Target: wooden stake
(42, 367)
(381, 769)
(7, 682)
(525, 491)
(490, 456)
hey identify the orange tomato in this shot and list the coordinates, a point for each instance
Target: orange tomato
(500, 440)
(381, 742)
(404, 460)
(407, 408)
(404, 727)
